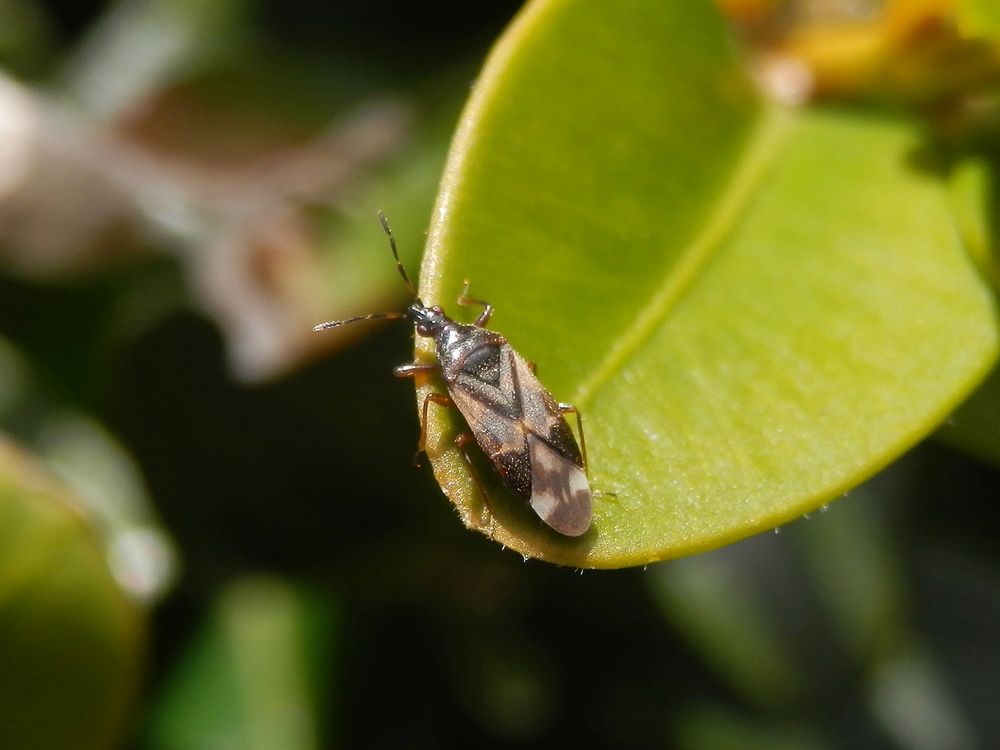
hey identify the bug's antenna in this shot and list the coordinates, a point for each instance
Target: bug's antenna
(374, 316)
(395, 253)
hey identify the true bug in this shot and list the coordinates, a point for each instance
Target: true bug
(510, 414)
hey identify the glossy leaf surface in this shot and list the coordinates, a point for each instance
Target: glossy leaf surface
(754, 309)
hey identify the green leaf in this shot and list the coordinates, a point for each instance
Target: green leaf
(253, 676)
(754, 309)
(69, 639)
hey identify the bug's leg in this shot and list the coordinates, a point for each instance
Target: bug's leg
(441, 399)
(570, 409)
(462, 442)
(412, 369)
(465, 299)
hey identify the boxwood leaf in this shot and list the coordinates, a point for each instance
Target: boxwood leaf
(754, 309)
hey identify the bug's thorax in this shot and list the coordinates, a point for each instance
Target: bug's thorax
(455, 342)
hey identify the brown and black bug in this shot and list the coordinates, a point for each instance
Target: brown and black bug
(510, 414)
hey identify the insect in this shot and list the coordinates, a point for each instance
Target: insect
(518, 424)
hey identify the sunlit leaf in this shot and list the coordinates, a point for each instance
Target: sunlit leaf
(754, 309)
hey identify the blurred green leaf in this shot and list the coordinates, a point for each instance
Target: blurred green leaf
(979, 17)
(975, 202)
(70, 639)
(850, 559)
(106, 484)
(140, 45)
(253, 679)
(975, 425)
(976, 205)
(26, 37)
(711, 727)
(708, 599)
(754, 309)
(915, 703)
(744, 608)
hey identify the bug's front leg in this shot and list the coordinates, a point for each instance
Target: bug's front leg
(462, 441)
(465, 299)
(412, 370)
(441, 399)
(570, 409)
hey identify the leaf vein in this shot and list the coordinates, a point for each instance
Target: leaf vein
(763, 144)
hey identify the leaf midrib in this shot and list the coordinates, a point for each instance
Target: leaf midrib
(732, 200)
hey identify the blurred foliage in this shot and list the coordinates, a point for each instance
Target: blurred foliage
(71, 640)
(256, 675)
(979, 18)
(214, 534)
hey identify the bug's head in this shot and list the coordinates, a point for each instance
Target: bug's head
(428, 320)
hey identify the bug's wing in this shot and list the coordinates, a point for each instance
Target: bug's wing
(518, 425)
(540, 412)
(501, 437)
(560, 492)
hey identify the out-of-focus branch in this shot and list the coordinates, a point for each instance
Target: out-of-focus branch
(76, 195)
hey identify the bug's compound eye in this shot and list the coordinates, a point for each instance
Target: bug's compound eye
(424, 328)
